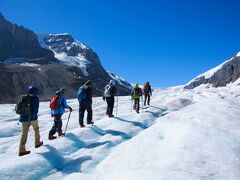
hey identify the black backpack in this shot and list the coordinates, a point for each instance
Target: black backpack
(23, 105)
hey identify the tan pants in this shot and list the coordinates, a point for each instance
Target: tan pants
(25, 129)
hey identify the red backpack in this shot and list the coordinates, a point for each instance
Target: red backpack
(54, 103)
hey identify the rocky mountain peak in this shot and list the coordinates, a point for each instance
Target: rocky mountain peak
(225, 73)
(64, 43)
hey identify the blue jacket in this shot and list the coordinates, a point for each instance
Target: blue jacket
(34, 104)
(62, 106)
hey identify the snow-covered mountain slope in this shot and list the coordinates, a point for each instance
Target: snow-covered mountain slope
(66, 49)
(184, 134)
(120, 80)
(71, 52)
(225, 73)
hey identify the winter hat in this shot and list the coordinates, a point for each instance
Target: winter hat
(88, 83)
(33, 90)
(57, 92)
(112, 82)
(136, 85)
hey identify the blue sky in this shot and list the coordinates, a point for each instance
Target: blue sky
(165, 42)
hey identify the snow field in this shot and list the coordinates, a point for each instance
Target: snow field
(184, 134)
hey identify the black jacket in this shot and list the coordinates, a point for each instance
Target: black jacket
(89, 94)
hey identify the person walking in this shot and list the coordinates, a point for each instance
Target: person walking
(147, 90)
(84, 97)
(58, 105)
(109, 92)
(32, 101)
(136, 94)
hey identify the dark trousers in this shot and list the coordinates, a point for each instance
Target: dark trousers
(110, 105)
(57, 125)
(146, 99)
(136, 105)
(85, 105)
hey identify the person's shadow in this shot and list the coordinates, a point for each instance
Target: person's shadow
(135, 123)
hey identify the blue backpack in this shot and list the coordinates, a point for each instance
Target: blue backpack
(81, 95)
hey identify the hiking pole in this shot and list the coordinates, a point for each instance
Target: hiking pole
(67, 123)
(117, 106)
(131, 105)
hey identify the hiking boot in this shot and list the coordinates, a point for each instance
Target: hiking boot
(52, 137)
(91, 122)
(61, 134)
(82, 125)
(110, 116)
(38, 145)
(24, 153)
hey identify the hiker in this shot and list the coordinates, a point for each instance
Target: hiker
(136, 93)
(31, 100)
(147, 90)
(84, 97)
(109, 92)
(58, 105)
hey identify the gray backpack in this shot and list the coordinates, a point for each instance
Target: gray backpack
(23, 105)
(107, 91)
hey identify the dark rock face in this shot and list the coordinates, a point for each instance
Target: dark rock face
(229, 72)
(48, 78)
(17, 41)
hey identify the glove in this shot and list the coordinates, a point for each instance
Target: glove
(104, 98)
(70, 109)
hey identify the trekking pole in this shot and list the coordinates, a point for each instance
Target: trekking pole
(117, 106)
(131, 105)
(67, 123)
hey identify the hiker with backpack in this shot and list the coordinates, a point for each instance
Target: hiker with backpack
(147, 90)
(27, 108)
(58, 104)
(84, 97)
(109, 92)
(136, 94)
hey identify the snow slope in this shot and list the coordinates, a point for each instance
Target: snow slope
(120, 80)
(184, 134)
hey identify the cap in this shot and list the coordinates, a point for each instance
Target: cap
(136, 85)
(112, 82)
(33, 90)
